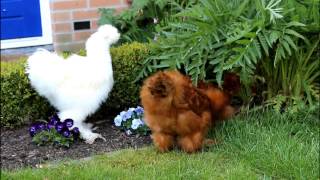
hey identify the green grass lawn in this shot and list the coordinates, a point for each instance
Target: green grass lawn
(256, 145)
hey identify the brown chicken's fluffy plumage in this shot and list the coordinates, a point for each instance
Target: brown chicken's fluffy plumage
(178, 112)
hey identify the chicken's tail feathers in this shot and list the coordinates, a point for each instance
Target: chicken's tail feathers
(160, 85)
(40, 60)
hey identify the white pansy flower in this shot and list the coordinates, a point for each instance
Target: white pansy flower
(131, 109)
(136, 123)
(118, 120)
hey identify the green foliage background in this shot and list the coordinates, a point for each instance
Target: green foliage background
(142, 20)
(248, 37)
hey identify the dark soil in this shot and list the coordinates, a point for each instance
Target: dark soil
(17, 149)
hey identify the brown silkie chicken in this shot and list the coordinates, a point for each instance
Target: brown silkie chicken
(178, 112)
(220, 100)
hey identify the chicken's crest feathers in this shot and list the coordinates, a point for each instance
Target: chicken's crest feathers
(99, 42)
(109, 32)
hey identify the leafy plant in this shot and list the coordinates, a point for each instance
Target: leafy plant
(221, 35)
(140, 21)
(295, 82)
(230, 35)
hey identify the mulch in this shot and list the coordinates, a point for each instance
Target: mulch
(17, 149)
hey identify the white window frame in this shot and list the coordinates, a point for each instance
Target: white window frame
(46, 37)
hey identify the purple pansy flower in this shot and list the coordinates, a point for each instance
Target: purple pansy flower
(63, 128)
(54, 119)
(75, 131)
(59, 127)
(42, 126)
(66, 133)
(50, 126)
(33, 130)
(68, 123)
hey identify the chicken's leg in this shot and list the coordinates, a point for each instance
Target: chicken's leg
(192, 142)
(87, 134)
(84, 129)
(163, 142)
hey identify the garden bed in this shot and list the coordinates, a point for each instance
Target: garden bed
(17, 149)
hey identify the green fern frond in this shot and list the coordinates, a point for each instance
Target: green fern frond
(263, 43)
(294, 33)
(277, 102)
(289, 40)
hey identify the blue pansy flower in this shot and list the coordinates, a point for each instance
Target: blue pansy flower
(122, 115)
(127, 115)
(139, 110)
(131, 120)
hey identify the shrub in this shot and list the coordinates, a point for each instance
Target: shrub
(21, 104)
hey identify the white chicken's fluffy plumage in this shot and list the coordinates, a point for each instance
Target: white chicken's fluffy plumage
(78, 85)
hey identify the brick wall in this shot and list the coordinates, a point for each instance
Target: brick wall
(64, 15)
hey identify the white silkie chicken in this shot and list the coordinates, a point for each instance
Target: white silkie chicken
(78, 85)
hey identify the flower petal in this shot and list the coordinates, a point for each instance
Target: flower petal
(75, 131)
(33, 130)
(118, 120)
(66, 133)
(54, 120)
(42, 126)
(68, 123)
(59, 127)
